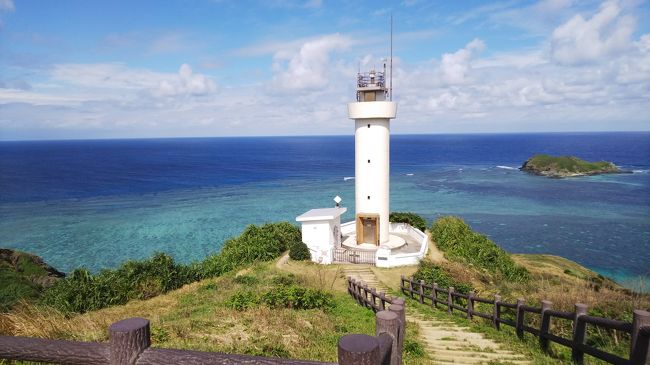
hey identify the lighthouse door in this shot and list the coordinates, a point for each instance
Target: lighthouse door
(368, 229)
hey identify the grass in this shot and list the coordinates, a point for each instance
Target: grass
(198, 317)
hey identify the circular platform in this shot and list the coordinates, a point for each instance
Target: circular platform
(393, 243)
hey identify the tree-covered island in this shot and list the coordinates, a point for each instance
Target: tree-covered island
(567, 166)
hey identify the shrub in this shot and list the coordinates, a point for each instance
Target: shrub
(432, 273)
(242, 300)
(457, 240)
(82, 291)
(256, 243)
(411, 218)
(296, 297)
(299, 251)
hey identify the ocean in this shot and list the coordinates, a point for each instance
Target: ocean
(97, 203)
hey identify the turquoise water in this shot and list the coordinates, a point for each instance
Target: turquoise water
(602, 222)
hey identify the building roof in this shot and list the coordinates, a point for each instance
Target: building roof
(321, 214)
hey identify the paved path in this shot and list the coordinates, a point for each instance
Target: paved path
(445, 341)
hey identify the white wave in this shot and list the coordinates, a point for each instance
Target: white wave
(409, 174)
(639, 171)
(506, 167)
(348, 178)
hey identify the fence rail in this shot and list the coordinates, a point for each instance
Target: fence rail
(639, 329)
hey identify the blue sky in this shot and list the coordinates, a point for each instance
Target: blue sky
(125, 69)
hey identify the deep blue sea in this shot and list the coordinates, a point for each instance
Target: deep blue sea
(97, 203)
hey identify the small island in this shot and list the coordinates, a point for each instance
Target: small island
(567, 166)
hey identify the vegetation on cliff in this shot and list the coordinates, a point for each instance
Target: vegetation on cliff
(83, 291)
(566, 166)
(460, 243)
(23, 276)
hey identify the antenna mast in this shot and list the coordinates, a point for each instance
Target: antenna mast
(391, 58)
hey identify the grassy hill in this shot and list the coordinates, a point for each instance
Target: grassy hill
(566, 166)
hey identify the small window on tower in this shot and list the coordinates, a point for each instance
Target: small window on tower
(368, 161)
(368, 125)
(368, 197)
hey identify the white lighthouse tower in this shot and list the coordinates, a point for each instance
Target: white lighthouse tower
(372, 113)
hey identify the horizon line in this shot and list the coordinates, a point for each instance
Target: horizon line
(311, 135)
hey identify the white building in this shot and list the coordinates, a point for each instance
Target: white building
(370, 238)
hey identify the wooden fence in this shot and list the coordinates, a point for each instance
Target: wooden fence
(639, 329)
(130, 340)
(377, 302)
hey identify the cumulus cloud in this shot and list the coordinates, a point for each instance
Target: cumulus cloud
(605, 34)
(7, 5)
(308, 68)
(455, 67)
(186, 83)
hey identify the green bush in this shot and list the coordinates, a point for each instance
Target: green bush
(283, 296)
(82, 291)
(411, 218)
(242, 300)
(256, 243)
(297, 297)
(432, 273)
(299, 251)
(457, 240)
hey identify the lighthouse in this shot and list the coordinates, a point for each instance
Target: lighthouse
(372, 113)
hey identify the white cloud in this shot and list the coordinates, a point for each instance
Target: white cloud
(454, 67)
(7, 5)
(606, 34)
(308, 68)
(187, 83)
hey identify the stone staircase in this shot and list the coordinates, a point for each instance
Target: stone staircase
(445, 342)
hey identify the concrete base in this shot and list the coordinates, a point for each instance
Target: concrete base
(393, 243)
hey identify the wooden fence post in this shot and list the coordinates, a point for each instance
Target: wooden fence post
(421, 292)
(545, 325)
(358, 350)
(520, 318)
(401, 314)
(127, 339)
(388, 322)
(450, 298)
(640, 344)
(434, 295)
(496, 312)
(470, 305)
(411, 286)
(579, 332)
(401, 283)
(381, 300)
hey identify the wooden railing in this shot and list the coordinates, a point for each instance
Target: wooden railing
(130, 340)
(639, 329)
(377, 302)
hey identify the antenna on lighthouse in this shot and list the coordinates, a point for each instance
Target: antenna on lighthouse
(390, 87)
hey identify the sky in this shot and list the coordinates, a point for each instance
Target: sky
(202, 68)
